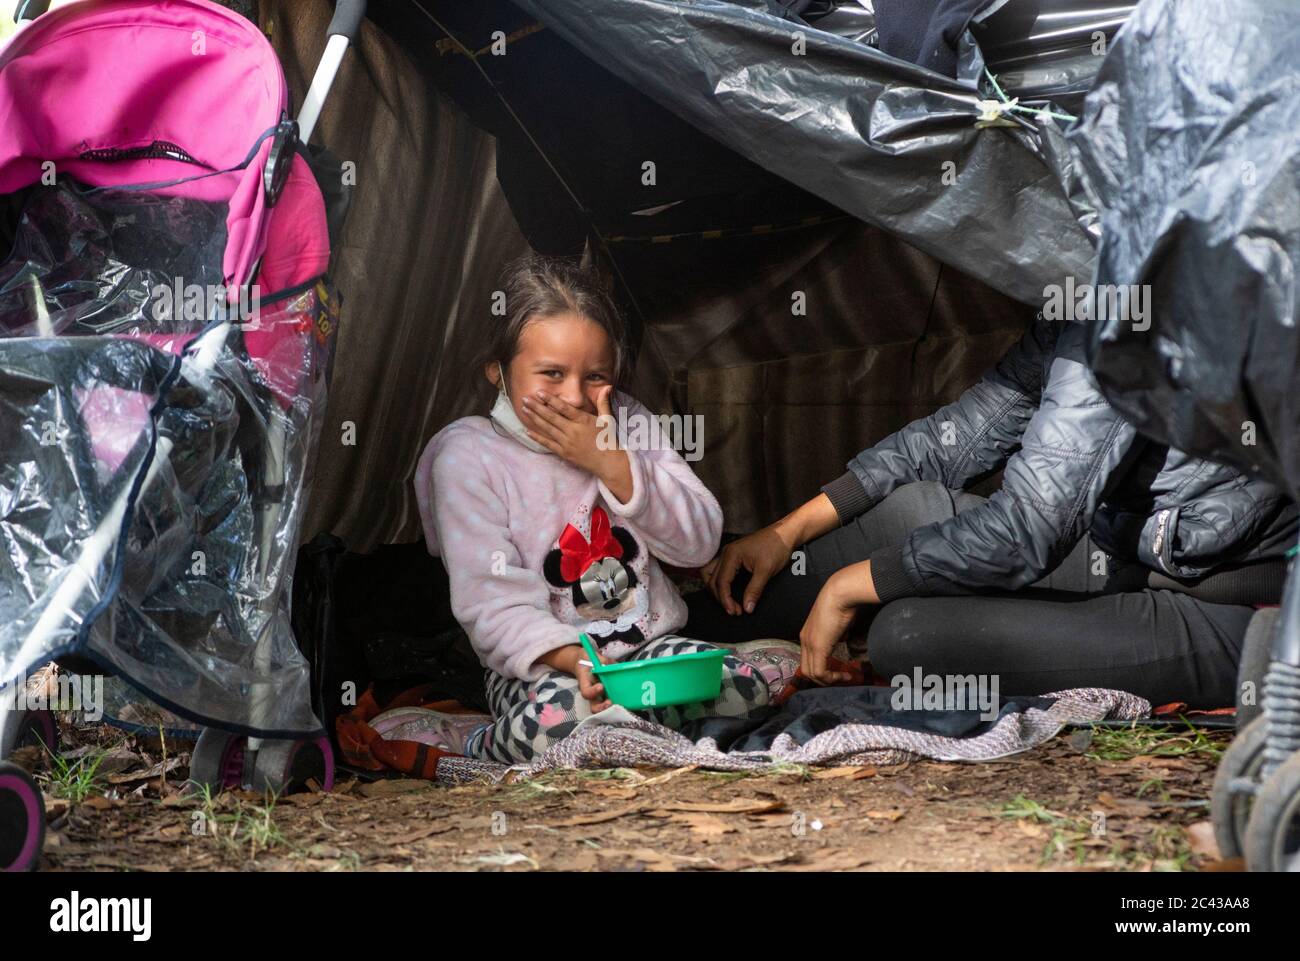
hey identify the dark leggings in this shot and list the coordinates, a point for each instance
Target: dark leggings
(1073, 628)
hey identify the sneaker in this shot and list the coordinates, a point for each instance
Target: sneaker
(449, 732)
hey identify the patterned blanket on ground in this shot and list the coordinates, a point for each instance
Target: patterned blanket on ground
(853, 726)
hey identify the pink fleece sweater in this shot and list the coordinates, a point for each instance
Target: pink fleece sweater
(538, 550)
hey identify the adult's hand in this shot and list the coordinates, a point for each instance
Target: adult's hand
(839, 599)
(766, 551)
(762, 553)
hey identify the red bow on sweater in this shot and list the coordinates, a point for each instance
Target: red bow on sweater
(577, 553)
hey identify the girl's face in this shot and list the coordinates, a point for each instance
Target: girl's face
(566, 355)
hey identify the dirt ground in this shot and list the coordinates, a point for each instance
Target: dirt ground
(1091, 799)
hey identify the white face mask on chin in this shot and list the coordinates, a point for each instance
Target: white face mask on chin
(503, 413)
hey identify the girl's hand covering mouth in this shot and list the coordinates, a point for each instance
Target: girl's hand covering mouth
(574, 435)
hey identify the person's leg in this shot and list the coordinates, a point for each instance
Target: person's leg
(528, 716)
(789, 596)
(743, 688)
(1161, 645)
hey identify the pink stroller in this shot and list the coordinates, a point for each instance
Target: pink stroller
(166, 336)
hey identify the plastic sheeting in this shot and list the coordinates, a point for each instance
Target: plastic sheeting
(1196, 171)
(88, 262)
(152, 471)
(886, 141)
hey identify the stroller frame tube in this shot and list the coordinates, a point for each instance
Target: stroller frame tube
(321, 82)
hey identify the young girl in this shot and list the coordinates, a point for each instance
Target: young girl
(548, 530)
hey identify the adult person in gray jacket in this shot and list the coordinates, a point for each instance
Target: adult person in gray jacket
(1105, 559)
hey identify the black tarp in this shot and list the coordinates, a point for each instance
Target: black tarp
(886, 141)
(1189, 145)
(1186, 144)
(767, 163)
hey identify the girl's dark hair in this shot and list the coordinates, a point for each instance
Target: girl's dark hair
(538, 286)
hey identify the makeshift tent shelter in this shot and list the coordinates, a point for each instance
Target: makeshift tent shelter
(817, 242)
(761, 297)
(804, 230)
(801, 228)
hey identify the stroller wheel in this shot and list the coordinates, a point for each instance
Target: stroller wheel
(22, 820)
(217, 762)
(28, 729)
(1230, 806)
(1256, 655)
(1273, 832)
(284, 766)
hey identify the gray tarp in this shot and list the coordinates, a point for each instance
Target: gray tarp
(867, 359)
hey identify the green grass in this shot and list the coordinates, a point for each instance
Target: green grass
(601, 773)
(74, 780)
(250, 826)
(248, 829)
(726, 776)
(1165, 740)
(1157, 787)
(1167, 848)
(554, 781)
(535, 787)
(1069, 834)
(1023, 807)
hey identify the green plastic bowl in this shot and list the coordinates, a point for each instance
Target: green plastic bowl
(662, 681)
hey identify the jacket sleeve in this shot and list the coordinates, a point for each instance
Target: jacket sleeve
(503, 606)
(971, 436)
(1071, 449)
(670, 509)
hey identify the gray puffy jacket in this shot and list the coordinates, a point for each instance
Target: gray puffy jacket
(1072, 465)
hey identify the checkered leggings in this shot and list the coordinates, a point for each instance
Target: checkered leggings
(530, 716)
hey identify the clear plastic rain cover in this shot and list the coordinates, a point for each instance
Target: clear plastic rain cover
(155, 441)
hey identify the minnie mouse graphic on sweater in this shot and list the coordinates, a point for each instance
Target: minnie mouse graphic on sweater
(600, 575)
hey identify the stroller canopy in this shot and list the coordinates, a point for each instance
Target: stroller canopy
(145, 92)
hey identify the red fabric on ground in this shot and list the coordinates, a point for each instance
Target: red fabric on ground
(364, 748)
(1180, 707)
